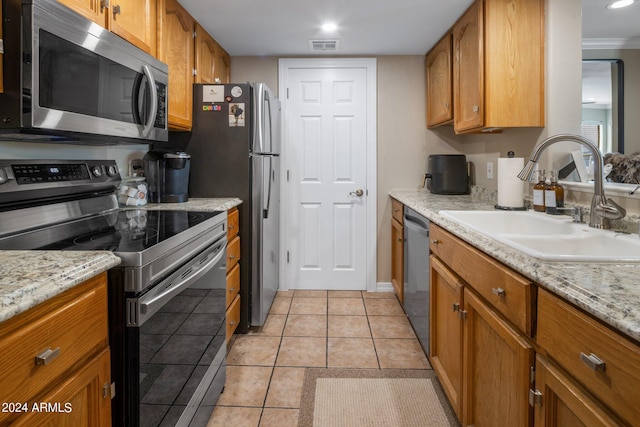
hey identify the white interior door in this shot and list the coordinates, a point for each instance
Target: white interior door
(328, 202)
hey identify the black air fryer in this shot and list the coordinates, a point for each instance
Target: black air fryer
(168, 176)
(447, 174)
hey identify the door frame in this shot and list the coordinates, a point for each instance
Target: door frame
(370, 65)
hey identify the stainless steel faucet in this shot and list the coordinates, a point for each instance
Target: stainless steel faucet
(602, 209)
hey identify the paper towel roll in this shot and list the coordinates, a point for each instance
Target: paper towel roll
(510, 187)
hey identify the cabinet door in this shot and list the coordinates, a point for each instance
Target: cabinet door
(135, 21)
(468, 70)
(440, 83)
(446, 298)
(90, 9)
(497, 367)
(222, 65)
(563, 403)
(81, 399)
(397, 259)
(176, 49)
(205, 56)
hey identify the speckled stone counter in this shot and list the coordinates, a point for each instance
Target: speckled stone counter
(28, 278)
(219, 204)
(610, 292)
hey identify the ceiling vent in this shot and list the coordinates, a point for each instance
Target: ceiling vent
(324, 45)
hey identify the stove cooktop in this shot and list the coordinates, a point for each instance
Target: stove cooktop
(121, 231)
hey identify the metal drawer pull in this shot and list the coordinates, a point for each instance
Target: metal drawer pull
(232, 289)
(499, 292)
(593, 361)
(47, 356)
(435, 241)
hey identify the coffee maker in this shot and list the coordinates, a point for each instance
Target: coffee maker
(167, 176)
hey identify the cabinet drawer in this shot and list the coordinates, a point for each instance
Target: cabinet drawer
(397, 211)
(233, 221)
(569, 336)
(233, 284)
(509, 293)
(233, 317)
(72, 325)
(233, 253)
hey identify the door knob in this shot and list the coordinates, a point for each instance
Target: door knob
(359, 192)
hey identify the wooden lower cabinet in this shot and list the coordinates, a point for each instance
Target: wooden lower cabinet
(78, 401)
(56, 356)
(497, 362)
(603, 362)
(562, 403)
(397, 249)
(445, 344)
(482, 360)
(233, 272)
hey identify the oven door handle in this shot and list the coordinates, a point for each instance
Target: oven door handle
(186, 279)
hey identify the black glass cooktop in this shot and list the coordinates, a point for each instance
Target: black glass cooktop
(121, 231)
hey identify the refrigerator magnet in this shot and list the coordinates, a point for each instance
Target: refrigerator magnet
(236, 114)
(213, 93)
(236, 91)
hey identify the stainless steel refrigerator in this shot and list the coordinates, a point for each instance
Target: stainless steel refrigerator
(235, 149)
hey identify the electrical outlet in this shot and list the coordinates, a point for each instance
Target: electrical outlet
(489, 170)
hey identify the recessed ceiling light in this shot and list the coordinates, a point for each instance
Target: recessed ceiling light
(620, 3)
(329, 27)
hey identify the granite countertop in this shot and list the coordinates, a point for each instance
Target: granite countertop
(28, 278)
(608, 291)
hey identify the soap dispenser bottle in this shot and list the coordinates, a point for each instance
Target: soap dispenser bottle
(538, 192)
(553, 194)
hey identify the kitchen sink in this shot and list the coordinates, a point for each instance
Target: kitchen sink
(550, 237)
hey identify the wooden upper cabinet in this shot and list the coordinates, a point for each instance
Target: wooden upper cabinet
(439, 69)
(468, 71)
(499, 66)
(205, 56)
(90, 9)
(176, 49)
(133, 20)
(222, 66)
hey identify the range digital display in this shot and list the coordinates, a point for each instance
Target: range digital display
(38, 173)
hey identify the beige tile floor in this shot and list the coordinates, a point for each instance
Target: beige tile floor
(331, 329)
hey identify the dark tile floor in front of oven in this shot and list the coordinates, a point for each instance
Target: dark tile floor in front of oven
(331, 329)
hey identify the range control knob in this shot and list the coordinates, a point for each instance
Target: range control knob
(96, 171)
(112, 170)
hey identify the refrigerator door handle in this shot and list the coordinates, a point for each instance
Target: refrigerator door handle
(265, 211)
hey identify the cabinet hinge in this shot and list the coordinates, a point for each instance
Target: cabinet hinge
(195, 34)
(104, 4)
(462, 314)
(535, 398)
(195, 72)
(109, 390)
(532, 375)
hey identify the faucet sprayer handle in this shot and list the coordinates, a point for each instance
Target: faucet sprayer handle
(610, 210)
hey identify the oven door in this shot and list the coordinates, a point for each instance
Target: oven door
(82, 78)
(176, 344)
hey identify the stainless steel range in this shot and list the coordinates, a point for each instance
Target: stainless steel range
(166, 299)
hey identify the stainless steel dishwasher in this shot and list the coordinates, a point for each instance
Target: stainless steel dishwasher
(416, 274)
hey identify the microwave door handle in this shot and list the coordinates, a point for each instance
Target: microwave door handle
(154, 101)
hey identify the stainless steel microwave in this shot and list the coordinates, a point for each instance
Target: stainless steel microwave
(68, 79)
